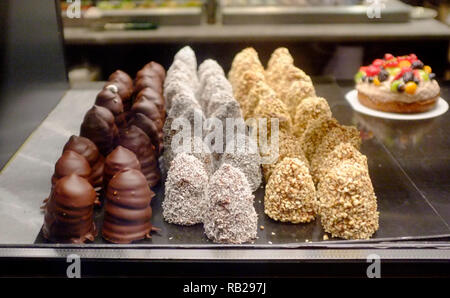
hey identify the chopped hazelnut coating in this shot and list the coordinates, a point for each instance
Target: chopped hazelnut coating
(242, 88)
(290, 83)
(334, 137)
(290, 193)
(245, 60)
(288, 146)
(249, 103)
(315, 131)
(311, 108)
(347, 202)
(342, 152)
(270, 106)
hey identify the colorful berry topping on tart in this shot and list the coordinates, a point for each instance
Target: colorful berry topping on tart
(397, 84)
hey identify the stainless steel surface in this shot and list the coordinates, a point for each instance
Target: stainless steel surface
(418, 30)
(230, 254)
(394, 12)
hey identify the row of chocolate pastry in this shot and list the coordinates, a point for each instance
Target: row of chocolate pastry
(115, 158)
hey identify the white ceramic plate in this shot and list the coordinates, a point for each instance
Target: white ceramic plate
(440, 108)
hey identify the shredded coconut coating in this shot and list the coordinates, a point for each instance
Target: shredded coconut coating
(290, 193)
(175, 88)
(247, 160)
(216, 101)
(270, 106)
(214, 84)
(230, 215)
(334, 137)
(348, 205)
(187, 56)
(209, 67)
(228, 109)
(185, 191)
(315, 131)
(288, 146)
(185, 108)
(309, 109)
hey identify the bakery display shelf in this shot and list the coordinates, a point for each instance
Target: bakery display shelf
(394, 12)
(405, 214)
(163, 16)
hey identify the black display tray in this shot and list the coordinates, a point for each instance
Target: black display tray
(405, 213)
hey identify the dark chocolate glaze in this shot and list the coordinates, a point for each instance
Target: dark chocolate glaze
(127, 208)
(149, 127)
(88, 150)
(122, 77)
(148, 82)
(69, 213)
(134, 139)
(124, 92)
(111, 100)
(70, 163)
(149, 109)
(99, 126)
(119, 159)
(151, 68)
(155, 97)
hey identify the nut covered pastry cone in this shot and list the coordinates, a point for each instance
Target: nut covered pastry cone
(290, 193)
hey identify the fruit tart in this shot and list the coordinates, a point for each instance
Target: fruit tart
(401, 84)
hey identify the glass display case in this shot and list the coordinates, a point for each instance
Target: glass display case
(331, 76)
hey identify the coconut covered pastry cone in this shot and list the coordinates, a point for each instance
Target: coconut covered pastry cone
(348, 205)
(185, 197)
(245, 157)
(88, 150)
(309, 109)
(69, 213)
(230, 216)
(290, 193)
(127, 208)
(246, 83)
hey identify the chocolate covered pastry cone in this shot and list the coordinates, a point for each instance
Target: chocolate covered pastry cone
(119, 159)
(127, 208)
(150, 69)
(124, 84)
(71, 163)
(148, 82)
(155, 97)
(134, 139)
(110, 99)
(69, 213)
(150, 129)
(99, 126)
(88, 150)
